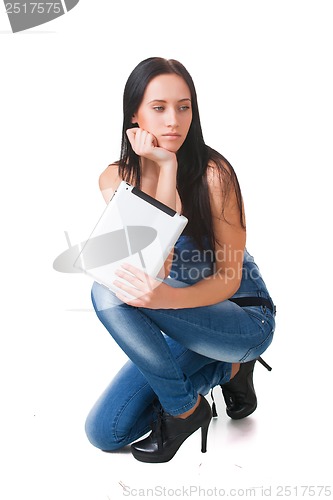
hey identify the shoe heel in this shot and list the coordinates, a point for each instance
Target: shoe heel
(204, 432)
(261, 361)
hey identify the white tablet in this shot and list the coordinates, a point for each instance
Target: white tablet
(134, 228)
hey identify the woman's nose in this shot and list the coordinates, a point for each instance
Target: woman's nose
(171, 118)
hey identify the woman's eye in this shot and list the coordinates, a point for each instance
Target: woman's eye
(184, 108)
(158, 108)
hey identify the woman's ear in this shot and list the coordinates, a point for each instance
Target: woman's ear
(134, 120)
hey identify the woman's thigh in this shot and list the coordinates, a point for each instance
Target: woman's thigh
(223, 331)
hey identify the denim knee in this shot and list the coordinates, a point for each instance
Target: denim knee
(98, 436)
(102, 298)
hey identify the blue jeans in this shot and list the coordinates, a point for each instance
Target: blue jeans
(192, 355)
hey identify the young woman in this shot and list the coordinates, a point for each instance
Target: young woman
(210, 319)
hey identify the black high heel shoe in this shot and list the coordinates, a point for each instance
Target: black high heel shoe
(170, 432)
(239, 394)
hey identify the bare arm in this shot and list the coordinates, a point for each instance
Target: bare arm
(229, 253)
(166, 193)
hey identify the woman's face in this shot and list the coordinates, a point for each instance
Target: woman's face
(165, 111)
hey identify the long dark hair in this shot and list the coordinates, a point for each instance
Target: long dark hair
(193, 157)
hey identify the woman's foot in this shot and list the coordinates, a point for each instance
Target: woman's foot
(169, 433)
(234, 369)
(239, 394)
(192, 410)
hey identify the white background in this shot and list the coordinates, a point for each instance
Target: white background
(263, 75)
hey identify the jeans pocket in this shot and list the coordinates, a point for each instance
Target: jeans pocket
(258, 312)
(262, 315)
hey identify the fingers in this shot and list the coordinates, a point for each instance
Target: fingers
(137, 282)
(141, 141)
(133, 292)
(131, 133)
(131, 272)
(138, 288)
(130, 302)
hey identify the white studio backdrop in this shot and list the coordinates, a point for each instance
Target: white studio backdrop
(263, 78)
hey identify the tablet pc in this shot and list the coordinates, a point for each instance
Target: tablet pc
(134, 228)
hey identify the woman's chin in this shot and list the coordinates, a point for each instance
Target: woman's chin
(173, 148)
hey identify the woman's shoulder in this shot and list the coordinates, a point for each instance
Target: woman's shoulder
(224, 190)
(109, 180)
(217, 163)
(217, 172)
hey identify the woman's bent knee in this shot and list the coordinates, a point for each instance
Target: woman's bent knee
(99, 436)
(102, 298)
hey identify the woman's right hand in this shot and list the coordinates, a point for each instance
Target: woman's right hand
(145, 144)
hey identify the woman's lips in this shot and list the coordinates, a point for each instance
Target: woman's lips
(171, 136)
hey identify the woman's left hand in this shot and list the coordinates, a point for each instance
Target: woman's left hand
(146, 145)
(148, 291)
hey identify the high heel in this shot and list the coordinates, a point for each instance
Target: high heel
(170, 432)
(204, 432)
(239, 394)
